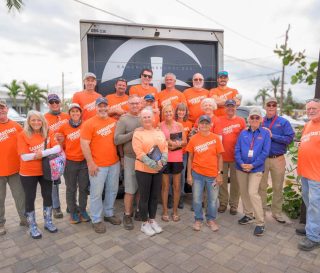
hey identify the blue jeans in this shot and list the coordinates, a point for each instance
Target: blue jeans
(199, 183)
(311, 197)
(55, 196)
(108, 178)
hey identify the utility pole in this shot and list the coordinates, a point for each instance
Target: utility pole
(62, 90)
(317, 91)
(283, 73)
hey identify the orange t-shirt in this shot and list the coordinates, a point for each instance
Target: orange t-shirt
(194, 97)
(56, 121)
(309, 152)
(9, 159)
(115, 101)
(187, 127)
(27, 145)
(174, 97)
(216, 125)
(141, 92)
(72, 142)
(231, 128)
(100, 132)
(87, 102)
(142, 143)
(205, 151)
(226, 93)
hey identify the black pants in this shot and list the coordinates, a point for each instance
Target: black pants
(303, 213)
(149, 186)
(76, 175)
(29, 184)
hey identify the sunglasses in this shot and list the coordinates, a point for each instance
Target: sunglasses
(315, 100)
(198, 80)
(147, 76)
(271, 105)
(54, 102)
(254, 117)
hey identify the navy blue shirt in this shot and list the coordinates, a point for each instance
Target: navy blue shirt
(282, 134)
(260, 141)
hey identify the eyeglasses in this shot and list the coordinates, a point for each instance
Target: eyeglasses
(54, 102)
(147, 76)
(315, 100)
(198, 80)
(254, 117)
(271, 105)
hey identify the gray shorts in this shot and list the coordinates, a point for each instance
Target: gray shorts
(130, 181)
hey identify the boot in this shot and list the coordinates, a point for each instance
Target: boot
(47, 215)
(33, 229)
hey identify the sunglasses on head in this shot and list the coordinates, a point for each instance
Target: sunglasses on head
(254, 117)
(198, 80)
(54, 102)
(271, 105)
(315, 100)
(147, 76)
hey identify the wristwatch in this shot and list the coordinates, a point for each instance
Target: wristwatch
(220, 172)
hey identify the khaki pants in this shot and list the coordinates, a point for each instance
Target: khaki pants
(17, 193)
(277, 167)
(224, 196)
(251, 200)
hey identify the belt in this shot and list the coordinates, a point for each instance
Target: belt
(274, 156)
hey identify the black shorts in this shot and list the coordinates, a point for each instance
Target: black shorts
(173, 168)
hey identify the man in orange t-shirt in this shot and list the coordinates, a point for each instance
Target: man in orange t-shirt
(118, 102)
(97, 144)
(55, 119)
(309, 170)
(232, 126)
(87, 98)
(145, 87)
(170, 95)
(10, 163)
(223, 93)
(194, 96)
(204, 171)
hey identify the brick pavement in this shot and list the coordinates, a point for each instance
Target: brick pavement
(77, 248)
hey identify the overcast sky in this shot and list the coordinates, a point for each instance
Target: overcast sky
(42, 41)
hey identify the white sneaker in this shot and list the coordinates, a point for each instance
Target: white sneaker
(155, 226)
(147, 229)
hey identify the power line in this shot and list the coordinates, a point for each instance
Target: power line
(257, 76)
(224, 26)
(248, 62)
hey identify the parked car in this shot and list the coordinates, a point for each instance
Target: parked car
(14, 115)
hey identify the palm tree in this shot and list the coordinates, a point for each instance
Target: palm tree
(14, 4)
(263, 94)
(14, 90)
(34, 95)
(275, 83)
(39, 96)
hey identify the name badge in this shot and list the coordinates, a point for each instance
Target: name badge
(250, 153)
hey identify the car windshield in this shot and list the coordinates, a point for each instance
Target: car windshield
(13, 113)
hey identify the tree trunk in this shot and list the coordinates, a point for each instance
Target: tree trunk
(317, 91)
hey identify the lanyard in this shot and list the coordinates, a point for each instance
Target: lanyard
(272, 122)
(252, 141)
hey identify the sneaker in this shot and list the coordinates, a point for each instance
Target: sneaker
(181, 203)
(127, 222)
(279, 218)
(2, 230)
(57, 213)
(24, 222)
(99, 227)
(222, 208)
(258, 231)
(147, 229)
(84, 216)
(212, 225)
(233, 210)
(155, 226)
(197, 225)
(114, 220)
(245, 220)
(306, 244)
(170, 202)
(137, 216)
(74, 218)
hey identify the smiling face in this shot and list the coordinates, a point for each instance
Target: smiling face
(102, 110)
(204, 126)
(168, 113)
(3, 113)
(54, 105)
(313, 110)
(170, 81)
(90, 83)
(146, 77)
(222, 81)
(121, 87)
(207, 108)
(147, 119)
(197, 80)
(134, 105)
(75, 114)
(271, 109)
(35, 123)
(230, 110)
(254, 121)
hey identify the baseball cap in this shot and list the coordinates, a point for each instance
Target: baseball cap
(204, 118)
(53, 97)
(88, 75)
(223, 74)
(3, 102)
(272, 99)
(230, 102)
(74, 105)
(101, 100)
(149, 97)
(255, 112)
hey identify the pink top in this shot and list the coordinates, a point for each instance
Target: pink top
(173, 156)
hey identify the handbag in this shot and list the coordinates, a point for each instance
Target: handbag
(53, 165)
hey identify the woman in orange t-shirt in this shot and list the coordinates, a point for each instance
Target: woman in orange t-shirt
(31, 143)
(76, 172)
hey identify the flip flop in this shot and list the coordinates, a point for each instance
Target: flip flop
(175, 218)
(165, 218)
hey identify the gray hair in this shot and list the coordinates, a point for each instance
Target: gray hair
(148, 110)
(210, 101)
(197, 74)
(170, 74)
(28, 129)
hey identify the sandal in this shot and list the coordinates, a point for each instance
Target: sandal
(165, 218)
(175, 218)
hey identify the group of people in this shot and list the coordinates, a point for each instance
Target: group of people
(161, 140)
